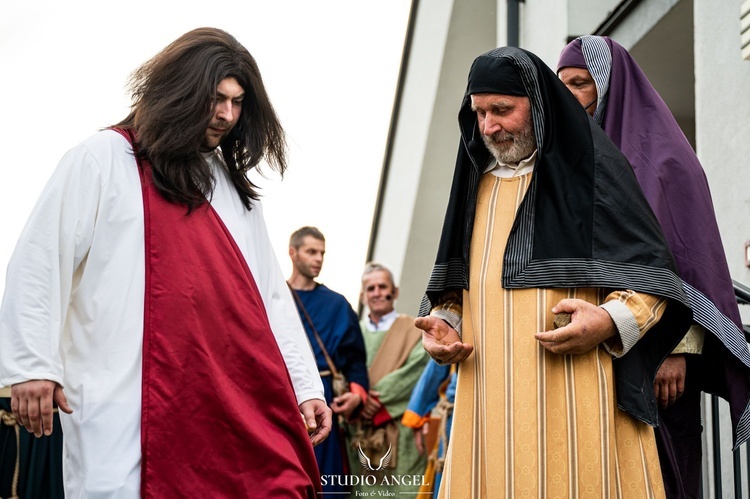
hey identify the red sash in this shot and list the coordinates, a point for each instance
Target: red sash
(219, 416)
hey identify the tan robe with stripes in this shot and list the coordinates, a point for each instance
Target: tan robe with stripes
(529, 423)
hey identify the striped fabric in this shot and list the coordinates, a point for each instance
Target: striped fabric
(529, 423)
(707, 315)
(599, 59)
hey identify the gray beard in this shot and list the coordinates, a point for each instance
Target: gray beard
(523, 145)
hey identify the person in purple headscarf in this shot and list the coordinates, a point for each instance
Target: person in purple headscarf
(714, 356)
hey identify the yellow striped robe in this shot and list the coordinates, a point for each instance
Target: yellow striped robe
(529, 423)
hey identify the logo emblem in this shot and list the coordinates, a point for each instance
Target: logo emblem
(366, 464)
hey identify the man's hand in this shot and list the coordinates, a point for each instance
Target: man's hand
(345, 404)
(419, 434)
(670, 380)
(372, 406)
(441, 341)
(317, 418)
(589, 326)
(32, 403)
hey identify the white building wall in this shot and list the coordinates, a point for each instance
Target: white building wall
(722, 111)
(585, 15)
(448, 36)
(414, 118)
(722, 107)
(544, 29)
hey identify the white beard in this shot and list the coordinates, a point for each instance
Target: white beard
(522, 146)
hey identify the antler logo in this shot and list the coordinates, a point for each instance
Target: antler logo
(366, 464)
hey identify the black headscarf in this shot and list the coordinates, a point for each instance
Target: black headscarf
(584, 221)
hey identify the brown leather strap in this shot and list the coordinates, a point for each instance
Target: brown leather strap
(302, 308)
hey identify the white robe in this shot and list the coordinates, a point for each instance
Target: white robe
(73, 307)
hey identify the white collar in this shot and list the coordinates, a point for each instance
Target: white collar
(506, 170)
(385, 322)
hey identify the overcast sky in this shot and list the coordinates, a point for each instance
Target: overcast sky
(330, 69)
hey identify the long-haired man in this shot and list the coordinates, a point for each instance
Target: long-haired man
(144, 298)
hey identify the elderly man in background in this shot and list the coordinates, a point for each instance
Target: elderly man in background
(395, 360)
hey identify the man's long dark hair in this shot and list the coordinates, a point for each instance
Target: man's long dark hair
(172, 102)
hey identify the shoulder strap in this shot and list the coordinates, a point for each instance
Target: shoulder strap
(302, 308)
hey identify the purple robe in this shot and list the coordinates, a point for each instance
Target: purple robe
(638, 121)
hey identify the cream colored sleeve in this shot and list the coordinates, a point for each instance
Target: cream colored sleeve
(692, 342)
(449, 307)
(634, 314)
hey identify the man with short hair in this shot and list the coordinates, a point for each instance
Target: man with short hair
(554, 291)
(602, 75)
(334, 335)
(145, 286)
(395, 360)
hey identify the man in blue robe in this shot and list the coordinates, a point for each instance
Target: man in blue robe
(333, 330)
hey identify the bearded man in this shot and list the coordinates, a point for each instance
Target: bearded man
(184, 367)
(555, 293)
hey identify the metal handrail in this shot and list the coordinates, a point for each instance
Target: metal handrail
(742, 293)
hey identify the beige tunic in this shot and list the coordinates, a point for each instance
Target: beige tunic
(528, 422)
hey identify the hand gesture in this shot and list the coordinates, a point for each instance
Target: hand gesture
(441, 341)
(589, 326)
(419, 437)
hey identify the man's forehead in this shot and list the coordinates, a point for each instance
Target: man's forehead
(571, 72)
(496, 99)
(310, 241)
(230, 87)
(376, 277)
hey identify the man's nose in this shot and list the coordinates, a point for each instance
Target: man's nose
(224, 111)
(491, 126)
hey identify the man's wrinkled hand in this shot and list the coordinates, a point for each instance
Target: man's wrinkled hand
(670, 380)
(589, 326)
(441, 341)
(32, 403)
